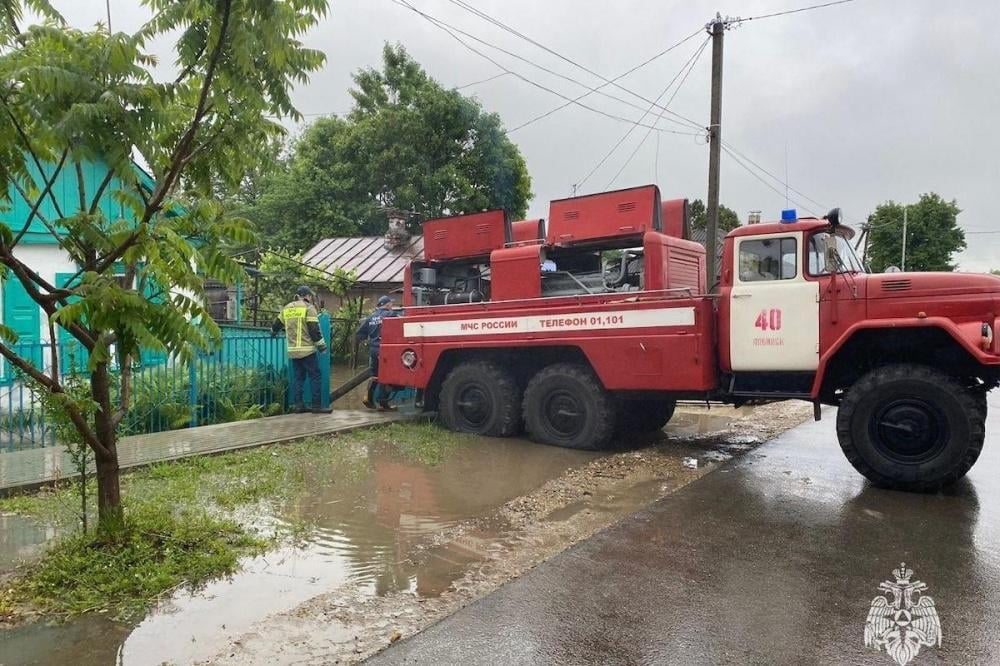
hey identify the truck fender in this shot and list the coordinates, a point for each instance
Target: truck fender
(967, 335)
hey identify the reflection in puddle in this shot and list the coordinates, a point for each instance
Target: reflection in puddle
(688, 423)
(375, 519)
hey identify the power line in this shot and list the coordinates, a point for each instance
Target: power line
(476, 83)
(620, 76)
(766, 183)
(486, 17)
(638, 123)
(471, 48)
(528, 61)
(731, 148)
(690, 66)
(788, 11)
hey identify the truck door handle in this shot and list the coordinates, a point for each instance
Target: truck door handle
(742, 295)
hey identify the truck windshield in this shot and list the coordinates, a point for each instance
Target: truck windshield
(848, 260)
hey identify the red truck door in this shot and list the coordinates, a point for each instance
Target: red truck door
(774, 310)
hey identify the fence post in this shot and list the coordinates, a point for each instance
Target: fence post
(324, 359)
(193, 390)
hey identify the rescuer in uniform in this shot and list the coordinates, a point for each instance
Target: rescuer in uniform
(371, 329)
(303, 339)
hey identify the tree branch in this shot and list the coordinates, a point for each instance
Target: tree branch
(27, 146)
(55, 355)
(181, 153)
(190, 68)
(82, 190)
(38, 202)
(96, 201)
(31, 281)
(13, 23)
(44, 220)
(55, 387)
(184, 145)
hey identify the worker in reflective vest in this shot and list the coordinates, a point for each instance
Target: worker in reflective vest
(303, 339)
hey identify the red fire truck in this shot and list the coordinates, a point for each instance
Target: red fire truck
(592, 326)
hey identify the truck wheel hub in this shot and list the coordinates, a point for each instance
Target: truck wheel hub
(909, 430)
(563, 412)
(474, 405)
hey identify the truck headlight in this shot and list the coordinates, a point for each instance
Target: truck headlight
(409, 359)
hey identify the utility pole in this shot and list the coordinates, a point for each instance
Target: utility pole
(903, 267)
(716, 28)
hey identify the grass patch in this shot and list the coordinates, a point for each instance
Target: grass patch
(422, 442)
(156, 553)
(179, 526)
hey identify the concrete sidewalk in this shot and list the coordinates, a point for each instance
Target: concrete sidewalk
(773, 559)
(36, 466)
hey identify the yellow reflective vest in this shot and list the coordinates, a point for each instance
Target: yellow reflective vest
(301, 323)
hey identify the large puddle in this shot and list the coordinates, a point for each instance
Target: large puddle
(376, 520)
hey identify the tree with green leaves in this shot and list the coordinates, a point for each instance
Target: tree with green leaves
(932, 235)
(408, 144)
(728, 219)
(281, 273)
(73, 98)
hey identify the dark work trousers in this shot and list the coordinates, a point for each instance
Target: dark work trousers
(376, 393)
(306, 367)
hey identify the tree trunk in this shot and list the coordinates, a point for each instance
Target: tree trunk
(110, 516)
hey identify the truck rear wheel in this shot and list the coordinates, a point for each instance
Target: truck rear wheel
(911, 427)
(646, 415)
(565, 405)
(481, 398)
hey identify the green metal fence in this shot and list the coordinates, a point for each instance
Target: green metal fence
(246, 377)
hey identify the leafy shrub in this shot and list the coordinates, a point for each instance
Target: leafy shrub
(161, 396)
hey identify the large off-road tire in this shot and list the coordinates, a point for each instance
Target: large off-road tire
(565, 405)
(645, 415)
(911, 427)
(482, 398)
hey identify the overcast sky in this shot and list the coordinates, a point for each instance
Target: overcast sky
(870, 101)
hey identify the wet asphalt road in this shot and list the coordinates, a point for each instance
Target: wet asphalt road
(774, 558)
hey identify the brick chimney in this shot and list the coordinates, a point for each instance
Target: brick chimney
(397, 235)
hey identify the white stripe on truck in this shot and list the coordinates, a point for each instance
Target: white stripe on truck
(570, 321)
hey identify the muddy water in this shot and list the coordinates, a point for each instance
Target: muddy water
(377, 519)
(340, 374)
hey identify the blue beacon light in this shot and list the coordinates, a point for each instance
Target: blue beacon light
(789, 215)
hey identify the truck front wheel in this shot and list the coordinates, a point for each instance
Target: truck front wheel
(565, 405)
(481, 398)
(645, 415)
(910, 427)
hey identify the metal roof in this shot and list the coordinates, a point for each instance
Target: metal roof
(368, 257)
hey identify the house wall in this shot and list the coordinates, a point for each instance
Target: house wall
(47, 261)
(65, 191)
(369, 292)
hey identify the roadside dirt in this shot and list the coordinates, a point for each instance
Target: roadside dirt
(349, 624)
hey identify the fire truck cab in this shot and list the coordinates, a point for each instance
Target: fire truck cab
(590, 326)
